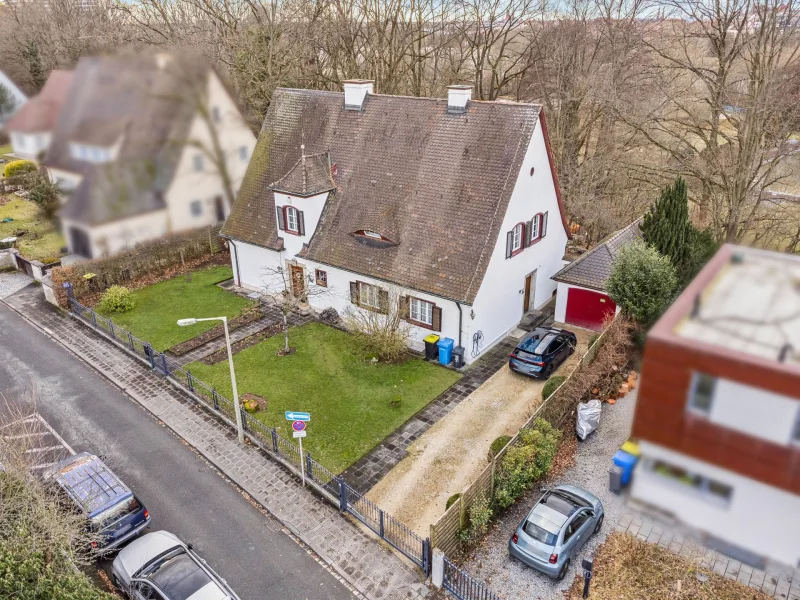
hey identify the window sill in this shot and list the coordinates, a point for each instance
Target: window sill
(517, 251)
(420, 324)
(289, 231)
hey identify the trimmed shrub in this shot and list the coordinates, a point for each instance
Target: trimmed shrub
(552, 385)
(480, 513)
(117, 299)
(19, 167)
(451, 500)
(498, 445)
(525, 462)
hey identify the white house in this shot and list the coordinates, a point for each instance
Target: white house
(145, 146)
(451, 206)
(30, 129)
(17, 97)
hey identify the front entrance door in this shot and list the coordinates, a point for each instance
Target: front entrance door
(298, 281)
(530, 292)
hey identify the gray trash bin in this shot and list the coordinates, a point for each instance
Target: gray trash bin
(615, 479)
(458, 357)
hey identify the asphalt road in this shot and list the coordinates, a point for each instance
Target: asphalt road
(182, 492)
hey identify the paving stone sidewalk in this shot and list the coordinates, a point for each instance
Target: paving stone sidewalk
(374, 571)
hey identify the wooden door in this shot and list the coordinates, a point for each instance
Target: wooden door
(298, 281)
(530, 290)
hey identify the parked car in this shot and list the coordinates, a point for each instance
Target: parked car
(555, 529)
(114, 513)
(541, 351)
(159, 565)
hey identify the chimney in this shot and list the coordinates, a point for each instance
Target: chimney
(355, 92)
(458, 96)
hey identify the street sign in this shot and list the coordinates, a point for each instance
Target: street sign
(299, 434)
(299, 425)
(297, 416)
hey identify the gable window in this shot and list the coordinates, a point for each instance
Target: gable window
(537, 228)
(420, 311)
(196, 207)
(290, 220)
(321, 277)
(701, 394)
(198, 162)
(244, 154)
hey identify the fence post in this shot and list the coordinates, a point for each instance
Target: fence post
(426, 556)
(214, 399)
(274, 441)
(437, 571)
(149, 351)
(189, 380)
(380, 520)
(309, 471)
(130, 340)
(164, 364)
(111, 328)
(94, 318)
(462, 512)
(491, 485)
(244, 417)
(342, 494)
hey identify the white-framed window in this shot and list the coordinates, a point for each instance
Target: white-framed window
(420, 311)
(706, 487)
(244, 153)
(199, 163)
(701, 393)
(196, 208)
(369, 295)
(291, 219)
(321, 277)
(516, 241)
(372, 234)
(535, 228)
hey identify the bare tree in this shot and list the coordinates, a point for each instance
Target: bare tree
(381, 326)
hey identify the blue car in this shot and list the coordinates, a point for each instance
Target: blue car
(113, 512)
(541, 351)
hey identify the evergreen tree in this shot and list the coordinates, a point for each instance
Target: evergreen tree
(666, 225)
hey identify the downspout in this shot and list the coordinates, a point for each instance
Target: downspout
(236, 255)
(460, 316)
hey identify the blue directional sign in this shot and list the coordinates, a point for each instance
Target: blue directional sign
(297, 416)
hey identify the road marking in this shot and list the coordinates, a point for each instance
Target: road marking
(55, 435)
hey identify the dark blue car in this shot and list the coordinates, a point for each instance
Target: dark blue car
(542, 351)
(114, 513)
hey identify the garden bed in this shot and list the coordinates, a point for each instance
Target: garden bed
(215, 332)
(352, 401)
(236, 347)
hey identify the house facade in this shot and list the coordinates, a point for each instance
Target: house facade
(145, 146)
(447, 210)
(718, 410)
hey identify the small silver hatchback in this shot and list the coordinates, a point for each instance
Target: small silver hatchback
(556, 529)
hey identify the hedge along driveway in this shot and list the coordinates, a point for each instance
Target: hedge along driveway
(331, 377)
(159, 306)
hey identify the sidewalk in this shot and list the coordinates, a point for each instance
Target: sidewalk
(374, 571)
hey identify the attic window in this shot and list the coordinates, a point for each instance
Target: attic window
(372, 234)
(372, 238)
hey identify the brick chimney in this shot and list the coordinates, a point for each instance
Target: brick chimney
(458, 96)
(355, 93)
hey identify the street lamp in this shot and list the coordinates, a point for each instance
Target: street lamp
(186, 322)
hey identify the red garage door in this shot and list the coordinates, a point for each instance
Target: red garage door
(586, 308)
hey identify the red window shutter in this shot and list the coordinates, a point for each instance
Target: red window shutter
(437, 318)
(281, 218)
(301, 225)
(509, 243)
(543, 225)
(354, 292)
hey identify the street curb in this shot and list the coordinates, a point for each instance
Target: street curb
(356, 589)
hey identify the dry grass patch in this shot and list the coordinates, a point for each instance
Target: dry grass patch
(629, 569)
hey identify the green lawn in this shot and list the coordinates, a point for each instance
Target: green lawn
(330, 377)
(42, 239)
(159, 306)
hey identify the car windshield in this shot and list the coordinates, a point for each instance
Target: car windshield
(110, 516)
(536, 345)
(180, 577)
(539, 534)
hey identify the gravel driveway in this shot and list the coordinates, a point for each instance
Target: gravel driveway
(511, 579)
(13, 281)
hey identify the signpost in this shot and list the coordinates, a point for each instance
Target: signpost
(299, 427)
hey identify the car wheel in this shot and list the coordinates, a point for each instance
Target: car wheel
(115, 581)
(548, 370)
(563, 572)
(571, 348)
(599, 524)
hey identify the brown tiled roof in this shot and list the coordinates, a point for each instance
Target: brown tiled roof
(41, 112)
(438, 184)
(309, 176)
(592, 269)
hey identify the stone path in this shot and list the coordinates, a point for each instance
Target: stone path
(374, 571)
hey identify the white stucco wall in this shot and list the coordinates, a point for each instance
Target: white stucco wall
(112, 237)
(312, 210)
(499, 303)
(561, 300)
(29, 145)
(759, 518)
(189, 184)
(65, 179)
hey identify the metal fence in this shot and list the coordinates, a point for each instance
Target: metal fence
(330, 485)
(462, 585)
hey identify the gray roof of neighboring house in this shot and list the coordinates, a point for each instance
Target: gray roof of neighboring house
(311, 175)
(436, 184)
(40, 113)
(591, 270)
(144, 103)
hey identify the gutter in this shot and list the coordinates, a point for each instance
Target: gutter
(236, 256)
(460, 316)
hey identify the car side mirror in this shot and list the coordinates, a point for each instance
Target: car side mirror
(190, 546)
(590, 513)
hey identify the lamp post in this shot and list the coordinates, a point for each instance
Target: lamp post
(237, 410)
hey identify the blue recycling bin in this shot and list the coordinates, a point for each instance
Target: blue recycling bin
(626, 462)
(445, 351)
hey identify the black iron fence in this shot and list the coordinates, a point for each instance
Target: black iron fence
(330, 485)
(462, 585)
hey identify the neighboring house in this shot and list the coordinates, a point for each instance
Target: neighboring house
(17, 97)
(581, 298)
(718, 411)
(145, 146)
(31, 127)
(447, 208)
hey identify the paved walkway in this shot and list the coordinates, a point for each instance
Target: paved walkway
(374, 571)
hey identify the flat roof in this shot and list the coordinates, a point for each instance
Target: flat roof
(748, 303)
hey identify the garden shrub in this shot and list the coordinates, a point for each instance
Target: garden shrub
(480, 514)
(118, 299)
(19, 167)
(451, 500)
(525, 462)
(552, 385)
(498, 445)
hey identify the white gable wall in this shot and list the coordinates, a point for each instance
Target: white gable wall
(191, 185)
(311, 208)
(499, 302)
(29, 145)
